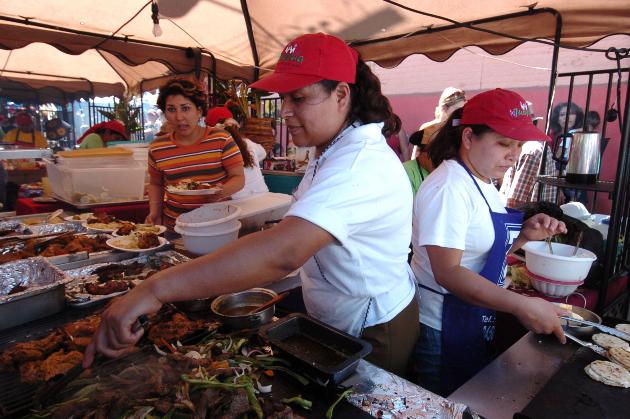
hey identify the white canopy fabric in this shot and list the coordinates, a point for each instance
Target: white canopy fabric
(236, 36)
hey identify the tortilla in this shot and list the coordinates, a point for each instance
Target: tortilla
(608, 373)
(620, 356)
(622, 327)
(609, 341)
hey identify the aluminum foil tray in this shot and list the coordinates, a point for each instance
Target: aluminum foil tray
(16, 226)
(43, 296)
(75, 292)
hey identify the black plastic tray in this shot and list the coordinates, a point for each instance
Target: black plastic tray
(322, 351)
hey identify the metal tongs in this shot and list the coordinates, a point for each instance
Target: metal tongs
(595, 348)
(600, 327)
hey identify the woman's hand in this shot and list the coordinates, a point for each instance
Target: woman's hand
(540, 316)
(114, 336)
(541, 226)
(155, 219)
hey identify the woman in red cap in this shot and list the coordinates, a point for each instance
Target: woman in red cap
(100, 134)
(189, 152)
(462, 235)
(349, 228)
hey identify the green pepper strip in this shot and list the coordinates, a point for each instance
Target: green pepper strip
(298, 400)
(298, 377)
(329, 412)
(248, 386)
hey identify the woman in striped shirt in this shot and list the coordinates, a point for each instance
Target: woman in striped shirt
(189, 152)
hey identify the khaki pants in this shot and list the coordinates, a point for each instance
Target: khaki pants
(393, 342)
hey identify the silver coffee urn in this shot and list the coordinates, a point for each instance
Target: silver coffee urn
(584, 155)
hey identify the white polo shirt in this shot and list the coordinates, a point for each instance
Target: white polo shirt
(361, 195)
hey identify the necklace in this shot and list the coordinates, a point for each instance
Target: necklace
(339, 136)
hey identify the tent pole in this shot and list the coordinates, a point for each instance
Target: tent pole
(252, 40)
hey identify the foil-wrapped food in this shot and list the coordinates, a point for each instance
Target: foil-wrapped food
(68, 227)
(11, 228)
(23, 278)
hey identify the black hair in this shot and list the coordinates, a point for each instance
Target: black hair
(416, 138)
(248, 161)
(186, 88)
(448, 139)
(554, 123)
(368, 102)
(593, 118)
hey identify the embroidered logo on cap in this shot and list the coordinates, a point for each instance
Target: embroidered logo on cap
(515, 112)
(290, 55)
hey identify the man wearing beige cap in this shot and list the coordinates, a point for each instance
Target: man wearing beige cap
(519, 184)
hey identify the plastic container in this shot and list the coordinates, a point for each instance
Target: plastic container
(258, 209)
(208, 242)
(560, 266)
(210, 218)
(552, 288)
(100, 157)
(97, 184)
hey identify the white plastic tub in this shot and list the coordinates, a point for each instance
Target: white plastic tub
(258, 209)
(204, 243)
(552, 288)
(209, 218)
(560, 266)
(102, 184)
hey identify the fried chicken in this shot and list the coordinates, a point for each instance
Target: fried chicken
(31, 351)
(83, 327)
(126, 229)
(56, 364)
(148, 240)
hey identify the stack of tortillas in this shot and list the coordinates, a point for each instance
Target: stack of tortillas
(608, 373)
(609, 341)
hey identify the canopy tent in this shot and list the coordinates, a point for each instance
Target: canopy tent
(243, 34)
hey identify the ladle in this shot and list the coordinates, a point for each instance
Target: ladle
(269, 303)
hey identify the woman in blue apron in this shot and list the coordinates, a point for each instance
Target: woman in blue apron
(462, 235)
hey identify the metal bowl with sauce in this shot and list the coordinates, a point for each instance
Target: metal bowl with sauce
(576, 328)
(233, 309)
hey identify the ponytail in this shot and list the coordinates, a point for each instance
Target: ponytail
(369, 105)
(248, 161)
(446, 143)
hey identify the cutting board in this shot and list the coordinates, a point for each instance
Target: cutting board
(570, 393)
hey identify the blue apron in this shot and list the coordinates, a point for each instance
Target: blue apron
(468, 330)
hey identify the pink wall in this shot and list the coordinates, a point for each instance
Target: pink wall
(415, 109)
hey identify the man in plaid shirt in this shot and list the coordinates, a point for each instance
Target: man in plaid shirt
(519, 183)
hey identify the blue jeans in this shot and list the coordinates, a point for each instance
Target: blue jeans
(428, 359)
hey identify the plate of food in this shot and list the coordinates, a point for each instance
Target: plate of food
(137, 242)
(103, 223)
(130, 228)
(191, 187)
(79, 218)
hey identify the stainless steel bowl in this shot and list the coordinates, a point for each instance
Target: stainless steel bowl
(231, 309)
(576, 328)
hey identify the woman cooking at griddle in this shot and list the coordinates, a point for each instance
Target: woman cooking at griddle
(349, 228)
(462, 234)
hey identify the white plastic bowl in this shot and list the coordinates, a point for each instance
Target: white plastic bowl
(204, 243)
(560, 266)
(210, 218)
(552, 288)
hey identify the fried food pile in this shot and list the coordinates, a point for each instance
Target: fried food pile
(64, 244)
(55, 354)
(176, 328)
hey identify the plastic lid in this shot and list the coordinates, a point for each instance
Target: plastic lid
(96, 152)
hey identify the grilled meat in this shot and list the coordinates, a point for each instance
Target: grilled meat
(31, 351)
(148, 240)
(126, 229)
(56, 364)
(176, 328)
(108, 287)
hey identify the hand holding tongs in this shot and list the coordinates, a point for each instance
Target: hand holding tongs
(600, 327)
(595, 348)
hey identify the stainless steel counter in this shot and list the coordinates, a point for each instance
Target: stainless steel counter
(509, 382)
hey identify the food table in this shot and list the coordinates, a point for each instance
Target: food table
(135, 212)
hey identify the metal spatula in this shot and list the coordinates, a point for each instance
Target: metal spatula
(600, 327)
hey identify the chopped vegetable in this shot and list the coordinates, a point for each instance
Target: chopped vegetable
(329, 412)
(298, 400)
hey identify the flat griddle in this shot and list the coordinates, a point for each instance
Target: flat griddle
(570, 393)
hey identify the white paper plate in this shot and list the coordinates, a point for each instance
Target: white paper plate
(101, 230)
(161, 230)
(112, 243)
(196, 192)
(82, 220)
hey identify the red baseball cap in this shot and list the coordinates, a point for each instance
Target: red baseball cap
(216, 114)
(505, 112)
(309, 59)
(112, 125)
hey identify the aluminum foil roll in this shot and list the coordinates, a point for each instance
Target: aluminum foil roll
(36, 274)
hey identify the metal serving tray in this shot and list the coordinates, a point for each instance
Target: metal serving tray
(328, 354)
(43, 297)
